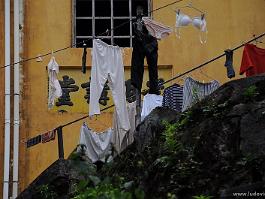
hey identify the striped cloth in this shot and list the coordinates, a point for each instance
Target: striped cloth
(173, 97)
(194, 91)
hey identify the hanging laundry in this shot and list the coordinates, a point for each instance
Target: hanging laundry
(145, 45)
(156, 29)
(33, 141)
(150, 102)
(107, 64)
(198, 22)
(173, 97)
(98, 145)
(253, 60)
(121, 138)
(48, 136)
(229, 63)
(194, 91)
(55, 90)
(84, 59)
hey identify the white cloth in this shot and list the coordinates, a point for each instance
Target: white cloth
(150, 102)
(98, 145)
(194, 91)
(156, 29)
(55, 89)
(107, 64)
(121, 138)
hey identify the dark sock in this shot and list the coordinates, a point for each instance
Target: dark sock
(229, 63)
(84, 60)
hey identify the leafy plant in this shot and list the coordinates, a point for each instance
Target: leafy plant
(106, 190)
(250, 92)
(46, 192)
(171, 196)
(171, 137)
(195, 95)
(202, 197)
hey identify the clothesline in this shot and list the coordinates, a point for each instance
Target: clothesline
(178, 76)
(213, 59)
(59, 128)
(73, 45)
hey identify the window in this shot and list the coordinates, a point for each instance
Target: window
(94, 17)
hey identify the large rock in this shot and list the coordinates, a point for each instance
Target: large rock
(152, 126)
(223, 139)
(59, 180)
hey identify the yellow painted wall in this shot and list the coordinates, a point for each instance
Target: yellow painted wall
(48, 25)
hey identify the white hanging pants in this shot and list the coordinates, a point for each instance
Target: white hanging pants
(107, 64)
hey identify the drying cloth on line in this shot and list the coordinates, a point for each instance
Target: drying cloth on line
(150, 102)
(48, 136)
(121, 138)
(33, 141)
(156, 29)
(98, 145)
(253, 60)
(173, 97)
(55, 89)
(84, 59)
(229, 63)
(107, 64)
(194, 91)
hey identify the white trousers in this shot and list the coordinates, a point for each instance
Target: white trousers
(107, 64)
(121, 138)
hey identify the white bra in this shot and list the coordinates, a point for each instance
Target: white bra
(198, 22)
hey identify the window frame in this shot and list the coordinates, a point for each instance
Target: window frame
(111, 18)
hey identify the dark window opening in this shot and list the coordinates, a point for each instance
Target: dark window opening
(121, 8)
(102, 8)
(122, 42)
(94, 17)
(122, 27)
(84, 27)
(143, 3)
(83, 8)
(101, 25)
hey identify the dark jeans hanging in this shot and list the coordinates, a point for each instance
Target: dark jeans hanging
(140, 51)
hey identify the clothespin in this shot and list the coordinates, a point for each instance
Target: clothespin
(39, 58)
(256, 40)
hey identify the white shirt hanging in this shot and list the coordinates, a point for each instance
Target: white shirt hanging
(150, 102)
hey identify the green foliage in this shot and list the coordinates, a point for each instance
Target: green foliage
(202, 197)
(215, 110)
(171, 196)
(171, 137)
(103, 191)
(195, 95)
(46, 192)
(106, 190)
(250, 92)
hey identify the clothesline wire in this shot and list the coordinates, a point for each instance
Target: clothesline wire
(75, 44)
(195, 68)
(212, 60)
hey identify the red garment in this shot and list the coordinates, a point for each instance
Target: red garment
(47, 137)
(253, 60)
